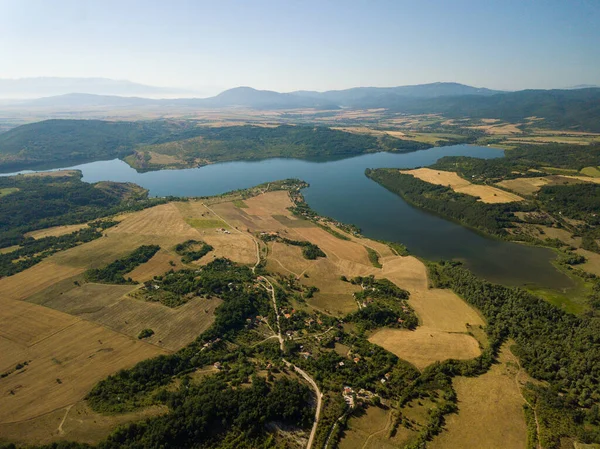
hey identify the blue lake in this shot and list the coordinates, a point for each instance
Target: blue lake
(339, 189)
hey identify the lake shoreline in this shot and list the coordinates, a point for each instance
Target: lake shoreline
(340, 190)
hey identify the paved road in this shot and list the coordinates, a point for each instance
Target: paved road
(311, 381)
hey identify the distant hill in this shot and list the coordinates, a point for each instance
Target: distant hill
(237, 97)
(82, 100)
(51, 86)
(347, 97)
(80, 140)
(561, 109)
(577, 109)
(73, 141)
(582, 86)
(266, 99)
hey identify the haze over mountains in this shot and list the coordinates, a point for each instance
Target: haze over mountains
(576, 108)
(20, 88)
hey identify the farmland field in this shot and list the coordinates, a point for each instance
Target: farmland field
(425, 345)
(160, 263)
(8, 191)
(594, 172)
(63, 366)
(443, 317)
(35, 279)
(55, 231)
(76, 422)
(80, 300)
(368, 430)
(487, 194)
(81, 332)
(525, 186)
(490, 409)
(173, 328)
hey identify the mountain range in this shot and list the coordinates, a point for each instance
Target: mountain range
(574, 108)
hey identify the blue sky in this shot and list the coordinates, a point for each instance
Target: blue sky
(318, 45)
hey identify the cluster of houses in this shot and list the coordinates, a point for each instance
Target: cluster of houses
(269, 234)
(253, 322)
(291, 334)
(207, 345)
(352, 398)
(305, 354)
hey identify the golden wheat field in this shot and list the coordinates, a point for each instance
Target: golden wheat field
(63, 366)
(173, 327)
(486, 194)
(75, 422)
(426, 345)
(160, 263)
(525, 186)
(74, 333)
(35, 279)
(490, 409)
(55, 231)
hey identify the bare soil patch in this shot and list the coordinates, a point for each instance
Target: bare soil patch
(438, 309)
(406, 272)
(488, 194)
(442, 314)
(444, 310)
(107, 249)
(161, 225)
(334, 296)
(438, 177)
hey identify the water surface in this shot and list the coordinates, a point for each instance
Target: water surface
(339, 189)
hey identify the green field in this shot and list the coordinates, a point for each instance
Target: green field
(8, 191)
(591, 171)
(200, 223)
(574, 300)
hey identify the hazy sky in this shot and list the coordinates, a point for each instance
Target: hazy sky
(303, 44)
